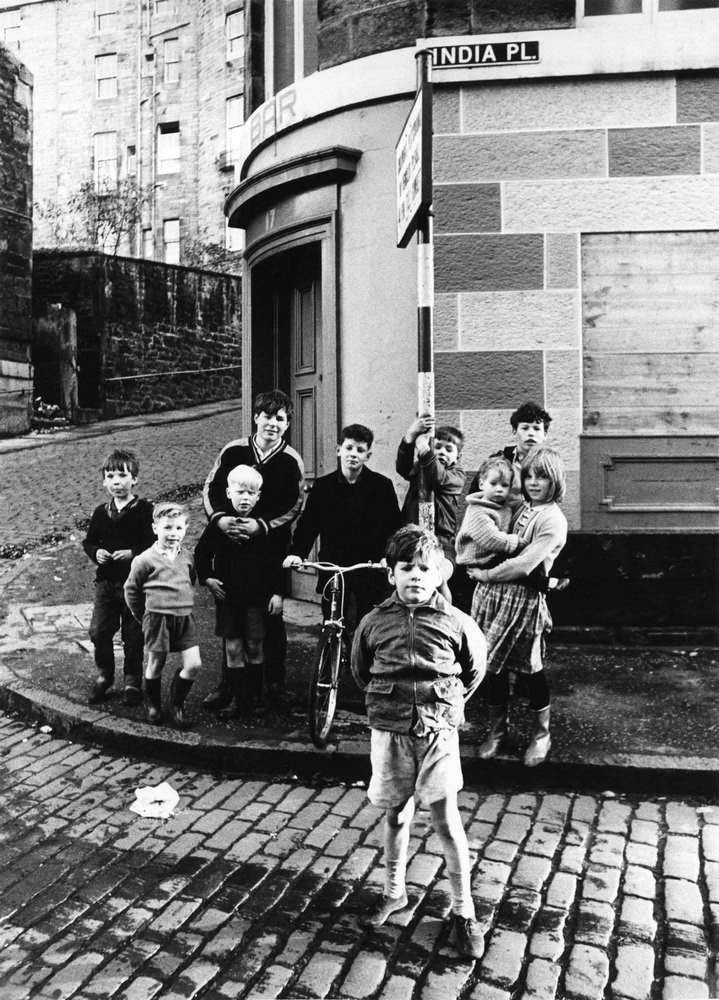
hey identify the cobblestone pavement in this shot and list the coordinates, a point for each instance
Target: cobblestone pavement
(253, 889)
(49, 488)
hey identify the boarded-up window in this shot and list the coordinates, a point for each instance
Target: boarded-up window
(649, 452)
(651, 333)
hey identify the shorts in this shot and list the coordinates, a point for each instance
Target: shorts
(403, 765)
(236, 622)
(168, 633)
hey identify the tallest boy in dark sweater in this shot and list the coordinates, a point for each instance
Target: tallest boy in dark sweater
(119, 530)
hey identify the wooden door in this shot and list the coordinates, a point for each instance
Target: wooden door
(305, 332)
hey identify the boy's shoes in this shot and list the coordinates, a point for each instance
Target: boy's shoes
(467, 937)
(219, 698)
(131, 695)
(154, 715)
(383, 909)
(237, 709)
(177, 717)
(99, 691)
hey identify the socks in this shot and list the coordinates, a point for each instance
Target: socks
(153, 691)
(180, 689)
(462, 903)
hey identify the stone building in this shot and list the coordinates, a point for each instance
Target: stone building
(576, 225)
(15, 243)
(151, 90)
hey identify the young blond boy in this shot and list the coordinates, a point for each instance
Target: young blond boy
(160, 593)
(245, 577)
(418, 659)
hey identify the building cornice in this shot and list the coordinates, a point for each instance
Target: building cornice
(333, 165)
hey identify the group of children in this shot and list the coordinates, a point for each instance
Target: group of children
(416, 655)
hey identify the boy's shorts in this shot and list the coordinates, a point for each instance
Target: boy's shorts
(236, 622)
(168, 633)
(403, 765)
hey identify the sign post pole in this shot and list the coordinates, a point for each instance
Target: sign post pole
(413, 157)
(425, 287)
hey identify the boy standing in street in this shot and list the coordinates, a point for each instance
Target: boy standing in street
(119, 530)
(282, 473)
(160, 593)
(354, 511)
(418, 659)
(247, 582)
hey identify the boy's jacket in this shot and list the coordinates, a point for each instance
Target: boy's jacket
(417, 666)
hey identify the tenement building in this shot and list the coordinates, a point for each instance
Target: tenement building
(142, 95)
(576, 249)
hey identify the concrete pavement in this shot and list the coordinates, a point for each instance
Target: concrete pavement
(252, 889)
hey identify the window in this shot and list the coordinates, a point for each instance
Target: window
(171, 50)
(106, 75)
(598, 8)
(290, 42)
(105, 160)
(647, 8)
(131, 162)
(168, 148)
(234, 117)
(171, 241)
(688, 4)
(148, 248)
(234, 33)
(234, 238)
(163, 7)
(10, 35)
(105, 15)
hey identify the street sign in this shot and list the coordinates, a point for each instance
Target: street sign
(413, 166)
(484, 54)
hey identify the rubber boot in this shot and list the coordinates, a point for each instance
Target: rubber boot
(498, 723)
(179, 690)
(100, 689)
(541, 740)
(255, 673)
(241, 701)
(153, 699)
(132, 694)
(220, 697)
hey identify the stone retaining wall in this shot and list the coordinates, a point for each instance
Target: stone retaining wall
(150, 336)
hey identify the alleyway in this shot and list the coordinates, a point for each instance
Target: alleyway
(253, 890)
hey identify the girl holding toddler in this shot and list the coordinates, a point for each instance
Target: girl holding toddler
(509, 603)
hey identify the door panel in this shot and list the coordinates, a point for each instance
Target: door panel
(287, 351)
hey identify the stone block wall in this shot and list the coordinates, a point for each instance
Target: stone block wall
(150, 336)
(350, 29)
(15, 244)
(521, 170)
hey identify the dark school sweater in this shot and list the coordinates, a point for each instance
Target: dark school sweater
(281, 495)
(129, 528)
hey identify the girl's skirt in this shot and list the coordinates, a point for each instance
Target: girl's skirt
(515, 620)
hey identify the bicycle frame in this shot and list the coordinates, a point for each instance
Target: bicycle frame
(325, 679)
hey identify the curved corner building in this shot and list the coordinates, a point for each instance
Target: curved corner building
(576, 225)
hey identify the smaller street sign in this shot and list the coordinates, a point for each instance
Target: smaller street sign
(413, 166)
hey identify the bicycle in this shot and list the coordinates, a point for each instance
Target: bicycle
(331, 651)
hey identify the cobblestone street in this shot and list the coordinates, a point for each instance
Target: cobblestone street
(253, 889)
(56, 484)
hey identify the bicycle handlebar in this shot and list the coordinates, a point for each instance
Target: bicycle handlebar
(334, 568)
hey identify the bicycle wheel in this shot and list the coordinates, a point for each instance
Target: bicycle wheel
(323, 687)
